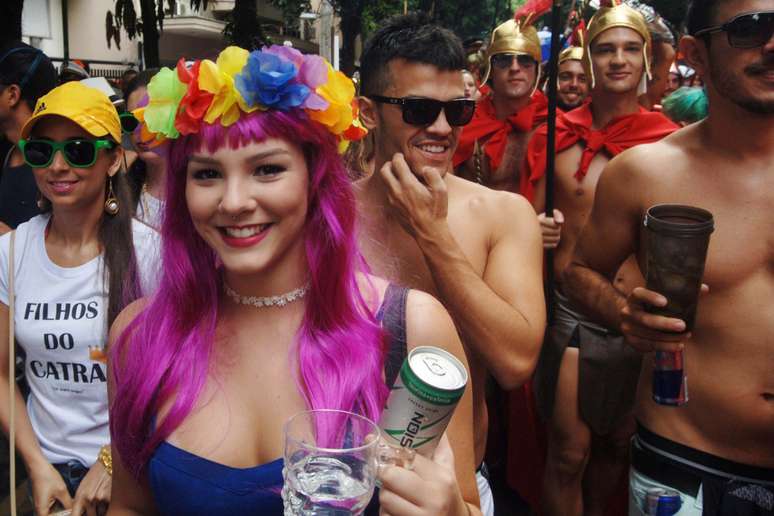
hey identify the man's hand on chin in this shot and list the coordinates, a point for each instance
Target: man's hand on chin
(418, 198)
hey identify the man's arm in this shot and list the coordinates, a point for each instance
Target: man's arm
(611, 235)
(502, 315)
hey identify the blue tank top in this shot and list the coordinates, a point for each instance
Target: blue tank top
(184, 483)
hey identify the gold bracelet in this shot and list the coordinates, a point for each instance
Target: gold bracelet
(106, 458)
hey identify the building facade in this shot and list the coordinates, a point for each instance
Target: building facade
(75, 30)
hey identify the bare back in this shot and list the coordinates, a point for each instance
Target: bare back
(730, 357)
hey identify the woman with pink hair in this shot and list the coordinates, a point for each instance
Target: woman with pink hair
(265, 307)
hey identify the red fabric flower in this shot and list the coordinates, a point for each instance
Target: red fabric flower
(195, 102)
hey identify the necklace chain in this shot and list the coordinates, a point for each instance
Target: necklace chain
(261, 302)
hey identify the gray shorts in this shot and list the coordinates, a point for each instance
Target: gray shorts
(608, 368)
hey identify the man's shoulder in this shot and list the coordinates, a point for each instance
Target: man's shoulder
(656, 159)
(472, 199)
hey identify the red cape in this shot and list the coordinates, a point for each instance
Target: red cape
(620, 134)
(486, 125)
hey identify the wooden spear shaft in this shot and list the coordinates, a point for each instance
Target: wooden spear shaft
(553, 72)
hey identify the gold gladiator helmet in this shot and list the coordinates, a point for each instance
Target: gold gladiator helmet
(618, 15)
(571, 53)
(518, 36)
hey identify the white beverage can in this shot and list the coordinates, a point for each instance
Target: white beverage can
(422, 401)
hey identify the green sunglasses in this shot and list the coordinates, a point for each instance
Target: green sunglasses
(128, 122)
(78, 152)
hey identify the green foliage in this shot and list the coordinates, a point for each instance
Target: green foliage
(467, 18)
(291, 10)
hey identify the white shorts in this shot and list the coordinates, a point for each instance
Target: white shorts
(638, 490)
(485, 495)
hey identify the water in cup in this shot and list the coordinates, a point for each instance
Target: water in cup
(330, 463)
(321, 485)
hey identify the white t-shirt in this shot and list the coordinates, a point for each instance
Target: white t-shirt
(149, 210)
(61, 323)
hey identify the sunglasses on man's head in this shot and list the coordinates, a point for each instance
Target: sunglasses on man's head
(423, 111)
(78, 152)
(504, 61)
(749, 30)
(128, 122)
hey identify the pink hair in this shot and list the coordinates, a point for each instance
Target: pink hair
(164, 354)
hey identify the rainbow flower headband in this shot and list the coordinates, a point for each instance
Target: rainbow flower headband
(238, 82)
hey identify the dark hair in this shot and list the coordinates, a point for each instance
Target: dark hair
(138, 81)
(129, 72)
(412, 37)
(115, 239)
(137, 173)
(28, 68)
(701, 14)
(115, 235)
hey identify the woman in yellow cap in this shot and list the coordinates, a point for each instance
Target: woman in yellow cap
(74, 268)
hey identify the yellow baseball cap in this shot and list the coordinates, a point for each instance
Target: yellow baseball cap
(86, 106)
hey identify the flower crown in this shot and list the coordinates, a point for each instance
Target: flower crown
(239, 82)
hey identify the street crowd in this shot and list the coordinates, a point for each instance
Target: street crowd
(197, 253)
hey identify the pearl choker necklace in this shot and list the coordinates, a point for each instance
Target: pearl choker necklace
(261, 302)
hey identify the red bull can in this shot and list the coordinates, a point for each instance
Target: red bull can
(662, 502)
(670, 383)
(420, 405)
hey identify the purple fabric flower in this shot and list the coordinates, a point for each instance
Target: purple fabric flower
(287, 53)
(268, 80)
(312, 72)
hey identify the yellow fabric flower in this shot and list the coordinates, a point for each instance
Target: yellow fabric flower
(339, 92)
(218, 78)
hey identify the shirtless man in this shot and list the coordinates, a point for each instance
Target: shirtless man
(586, 377)
(492, 146)
(718, 449)
(573, 83)
(477, 250)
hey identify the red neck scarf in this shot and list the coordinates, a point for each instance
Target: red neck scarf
(620, 134)
(485, 125)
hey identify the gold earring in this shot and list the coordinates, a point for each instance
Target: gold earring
(111, 203)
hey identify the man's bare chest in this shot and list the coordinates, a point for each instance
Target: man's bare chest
(511, 159)
(575, 190)
(506, 175)
(393, 254)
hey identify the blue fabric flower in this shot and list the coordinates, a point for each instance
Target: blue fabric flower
(268, 80)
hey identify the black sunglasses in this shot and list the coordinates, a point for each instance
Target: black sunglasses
(749, 30)
(423, 111)
(504, 61)
(78, 152)
(128, 122)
